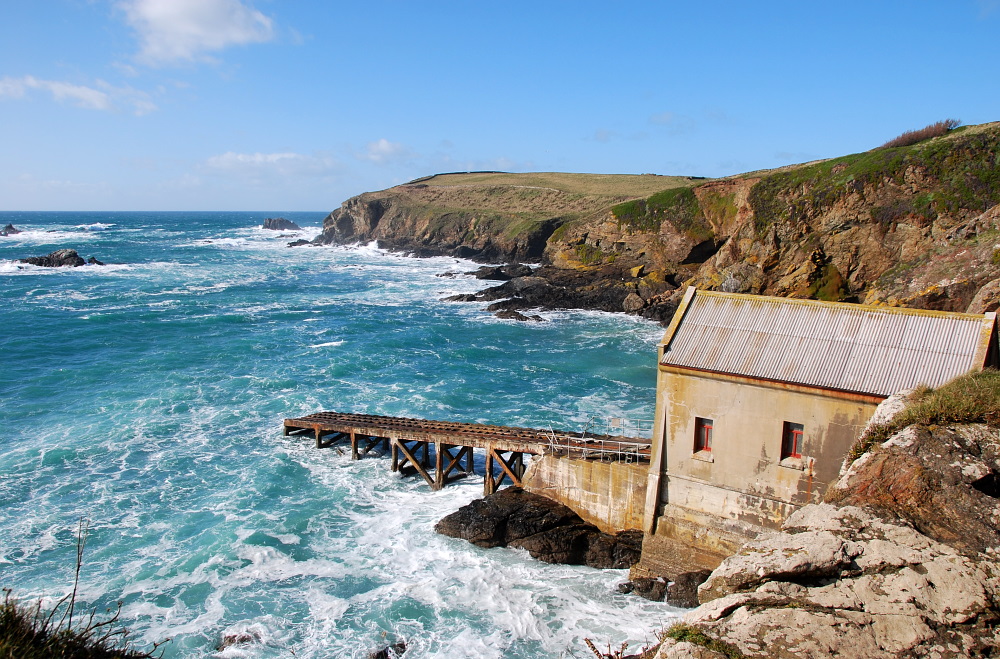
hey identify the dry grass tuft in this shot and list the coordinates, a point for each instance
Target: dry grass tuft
(970, 398)
(936, 129)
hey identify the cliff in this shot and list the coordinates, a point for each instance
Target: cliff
(912, 226)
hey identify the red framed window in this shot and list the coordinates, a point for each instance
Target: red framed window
(791, 440)
(702, 434)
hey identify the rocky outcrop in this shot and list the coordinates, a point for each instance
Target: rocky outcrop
(906, 563)
(906, 226)
(9, 230)
(549, 287)
(60, 258)
(548, 530)
(280, 224)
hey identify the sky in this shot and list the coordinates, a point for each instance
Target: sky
(298, 105)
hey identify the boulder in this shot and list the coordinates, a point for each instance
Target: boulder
(300, 242)
(9, 230)
(632, 303)
(502, 272)
(548, 530)
(390, 651)
(280, 224)
(683, 590)
(57, 259)
(511, 314)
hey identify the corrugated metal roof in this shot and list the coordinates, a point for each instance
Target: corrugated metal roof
(848, 347)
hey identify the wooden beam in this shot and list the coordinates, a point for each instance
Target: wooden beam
(413, 461)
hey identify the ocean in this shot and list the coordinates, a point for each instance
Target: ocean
(147, 397)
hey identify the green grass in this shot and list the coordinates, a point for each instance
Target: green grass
(679, 206)
(610, 185)
(963, 166)
(970, 398)
(691, 634)
(830, 286)
(589, 254)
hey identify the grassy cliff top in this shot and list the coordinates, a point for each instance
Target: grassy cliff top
(601, 185)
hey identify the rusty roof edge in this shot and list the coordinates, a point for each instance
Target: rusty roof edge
(985, 338)
(867, 396)
(675, 322)
(845, 305)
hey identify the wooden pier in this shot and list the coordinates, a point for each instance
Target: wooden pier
(410, 442)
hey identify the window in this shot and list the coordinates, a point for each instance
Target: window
(791, 440)
(702, 434)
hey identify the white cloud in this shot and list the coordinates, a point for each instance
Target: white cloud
(107, 97)
(258, 166)
(382, 151)
(184, 30)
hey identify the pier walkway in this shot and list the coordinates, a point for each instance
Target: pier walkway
(411, 442)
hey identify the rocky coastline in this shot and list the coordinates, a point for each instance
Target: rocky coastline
(907, 226)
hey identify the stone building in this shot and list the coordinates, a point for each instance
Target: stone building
(759, 400)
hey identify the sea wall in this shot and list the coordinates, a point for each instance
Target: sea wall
(609, 495)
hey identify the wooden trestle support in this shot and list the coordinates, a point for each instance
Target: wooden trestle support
(410, 442)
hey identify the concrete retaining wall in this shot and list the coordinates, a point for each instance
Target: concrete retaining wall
(609, 495)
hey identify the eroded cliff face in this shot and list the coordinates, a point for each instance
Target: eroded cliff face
(914, 226)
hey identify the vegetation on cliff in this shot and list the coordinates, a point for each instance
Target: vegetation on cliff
(971, 398)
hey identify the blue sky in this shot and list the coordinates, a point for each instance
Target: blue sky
(300, 104)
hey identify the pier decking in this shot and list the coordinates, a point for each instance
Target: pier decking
(410, 441)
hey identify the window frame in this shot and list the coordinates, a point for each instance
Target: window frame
(704, 428)
(792, 437)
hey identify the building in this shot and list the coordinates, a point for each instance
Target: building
(759, 400)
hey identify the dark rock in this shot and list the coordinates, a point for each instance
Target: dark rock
(652, 589)
(683, 590)
(9, 230)
(57, 259)
(461, 297)
(510, 314)
(502, 272)
(548, 530)
(280, 224)
(240, 638)
(300, 243)
(390, 651)
(93, 261)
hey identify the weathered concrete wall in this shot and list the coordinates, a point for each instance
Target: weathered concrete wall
(702, 506)
(609, 495)
(744, 476)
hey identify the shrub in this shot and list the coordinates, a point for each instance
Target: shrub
(29, 632)
(691, 634)
(913, 136)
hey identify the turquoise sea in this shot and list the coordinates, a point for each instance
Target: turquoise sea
(147, 396)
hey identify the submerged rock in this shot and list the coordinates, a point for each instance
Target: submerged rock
(548, 530)
(390, 651)
(280, 224)
(60, 258)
